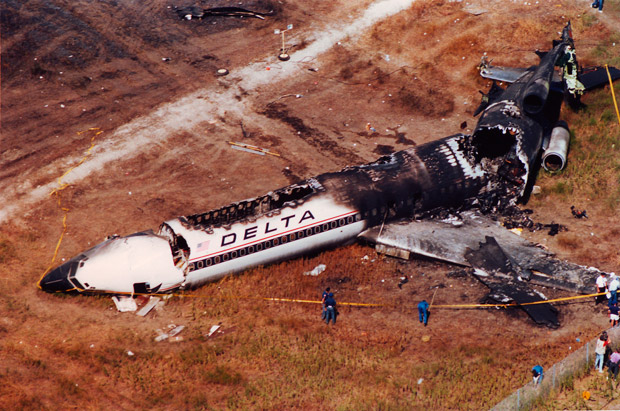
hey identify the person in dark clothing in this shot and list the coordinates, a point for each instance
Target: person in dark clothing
(423, 312)
(598, 4)
(614, 314)
(323, 297)
(612, 364)
(330, 308)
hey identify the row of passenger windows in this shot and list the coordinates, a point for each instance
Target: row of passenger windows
(273, 242)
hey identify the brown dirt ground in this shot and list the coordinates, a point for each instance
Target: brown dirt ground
(68, 66)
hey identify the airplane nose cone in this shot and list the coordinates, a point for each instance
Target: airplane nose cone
(57, 280)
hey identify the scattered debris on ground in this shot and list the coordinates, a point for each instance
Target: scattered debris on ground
(195, 12)
(125, 304)
(316, 270)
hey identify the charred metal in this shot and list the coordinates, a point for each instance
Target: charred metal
(441, 200)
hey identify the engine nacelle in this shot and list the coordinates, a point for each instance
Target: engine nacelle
(554, 157)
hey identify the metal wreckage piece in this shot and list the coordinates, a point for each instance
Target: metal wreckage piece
(189, 12)
(394, 202)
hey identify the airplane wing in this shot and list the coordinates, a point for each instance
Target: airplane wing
(505, 74)
(593, 77)
(464, 241)
(508, 283)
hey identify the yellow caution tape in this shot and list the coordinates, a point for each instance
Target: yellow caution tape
(297, 300)
(611, 86)
(576, 297)
(62, 186)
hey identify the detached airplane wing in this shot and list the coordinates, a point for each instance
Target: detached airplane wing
(502, 260)
(505, 74)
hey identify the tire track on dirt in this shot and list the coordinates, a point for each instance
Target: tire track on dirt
(188, 112)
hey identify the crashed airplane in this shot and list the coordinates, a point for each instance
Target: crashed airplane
(397, 202)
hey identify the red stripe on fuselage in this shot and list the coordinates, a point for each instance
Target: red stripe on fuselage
(275, 235)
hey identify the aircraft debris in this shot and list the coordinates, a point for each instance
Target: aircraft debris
(439, 199)
(578, 213)
(507, 280)
(149, 306)
(212, 330)
(515, 218)
(175, 329)
(195, 12)
(172, 334)
(252, 149)
(316, 270)
(125, 304)
(403, 280)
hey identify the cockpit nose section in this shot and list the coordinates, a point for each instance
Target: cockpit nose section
(138, 263)
(58, 280)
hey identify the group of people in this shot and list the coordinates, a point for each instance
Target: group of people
(607, 289)
(605, 356)
(330, 312)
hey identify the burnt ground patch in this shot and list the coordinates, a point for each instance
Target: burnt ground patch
(312, 136)
(425, 100)
(383, 150)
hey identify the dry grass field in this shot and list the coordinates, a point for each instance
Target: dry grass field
(145, 78)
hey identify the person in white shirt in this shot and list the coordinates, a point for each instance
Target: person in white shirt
(601, 287)
(601, 345)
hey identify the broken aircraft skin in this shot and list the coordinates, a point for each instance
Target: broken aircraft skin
(487, 172)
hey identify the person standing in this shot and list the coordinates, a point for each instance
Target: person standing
(614, 315)
(537, 374)
(323, 297)
(612, 365)
(330, 308)
(423, 312)
(601, 345)
(599, 4)
(614, 283)
(601, 287)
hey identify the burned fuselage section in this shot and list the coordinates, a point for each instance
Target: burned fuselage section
(392, 201)
(324, 211)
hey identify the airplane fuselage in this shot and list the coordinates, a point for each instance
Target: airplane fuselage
(488, 170)
(325, 211)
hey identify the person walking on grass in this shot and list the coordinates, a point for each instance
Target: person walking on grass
(601, 346)
(423, 312)
(330, 308)
(537, 374)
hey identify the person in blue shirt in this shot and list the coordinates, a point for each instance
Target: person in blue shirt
(423, 312)
(537, 374)
(330, 308)
(323, 297)
(599, 4)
